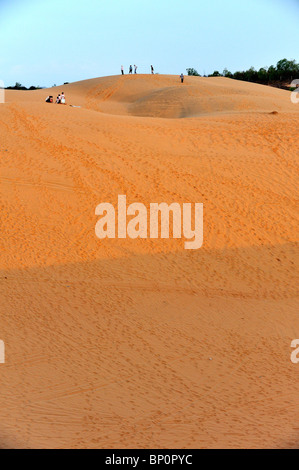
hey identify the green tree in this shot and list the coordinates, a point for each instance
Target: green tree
(263, 75)
(251, 75)
(227, 73)
(287, 69)
(193, 72)
(239, 76)
(216, 74)
(272, 73)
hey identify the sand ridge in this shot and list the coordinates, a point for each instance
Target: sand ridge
(165, 97)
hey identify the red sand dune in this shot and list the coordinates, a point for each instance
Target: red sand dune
(108, 343)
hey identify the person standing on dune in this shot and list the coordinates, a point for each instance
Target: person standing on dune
(130, 69)
(182, 78)
(152, 69)
(135, 68)
(122, 70)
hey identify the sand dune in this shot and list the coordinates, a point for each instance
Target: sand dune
(108, 343)
(165, 97)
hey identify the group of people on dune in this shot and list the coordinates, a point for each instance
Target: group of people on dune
(59, 100)
(152, 71)
(61, 97)
(135, 69)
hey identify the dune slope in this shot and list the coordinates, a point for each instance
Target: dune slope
(165, 97)
(141, 343)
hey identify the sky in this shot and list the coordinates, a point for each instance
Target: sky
(47, 42)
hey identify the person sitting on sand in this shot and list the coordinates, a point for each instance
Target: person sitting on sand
(62, 98)
(58, 99)
(49, 99)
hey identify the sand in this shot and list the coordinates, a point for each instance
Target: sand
(141, 343)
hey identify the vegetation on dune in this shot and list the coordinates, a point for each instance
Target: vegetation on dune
(280, 75)
(285, 71)
(19, 86)
(193, 72)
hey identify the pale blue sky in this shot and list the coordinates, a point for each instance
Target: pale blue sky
(53, 41)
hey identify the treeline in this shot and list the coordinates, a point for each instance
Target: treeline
(19, 86)
(284, 72)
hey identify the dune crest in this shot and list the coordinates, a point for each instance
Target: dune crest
(164, 96)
